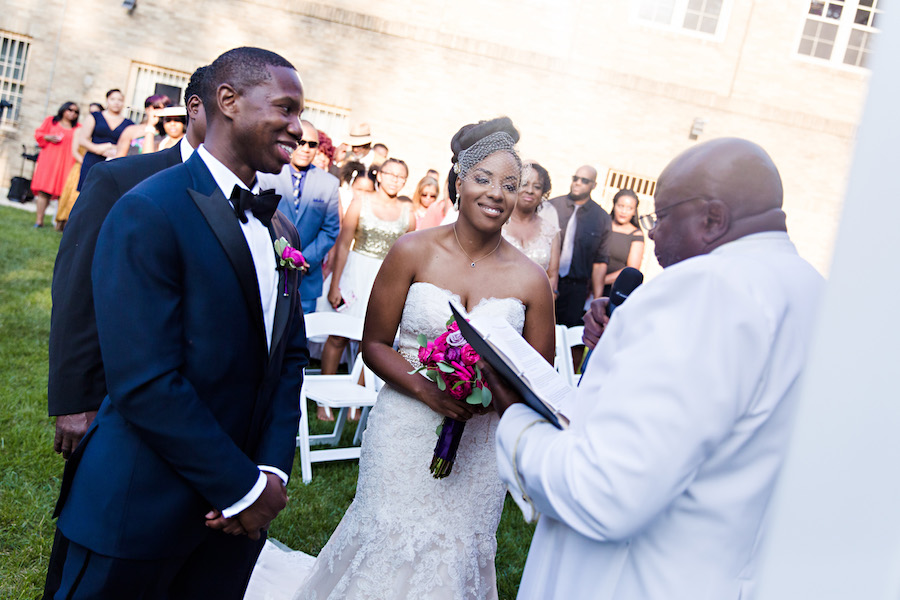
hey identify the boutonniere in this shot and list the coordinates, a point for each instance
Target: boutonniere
(289, 259)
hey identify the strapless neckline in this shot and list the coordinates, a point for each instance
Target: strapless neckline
(459, 298)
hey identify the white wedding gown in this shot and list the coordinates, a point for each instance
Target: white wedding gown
(407, 535)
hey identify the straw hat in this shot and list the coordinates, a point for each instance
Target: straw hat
(360, 135)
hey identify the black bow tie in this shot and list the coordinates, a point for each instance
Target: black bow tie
(262, 205)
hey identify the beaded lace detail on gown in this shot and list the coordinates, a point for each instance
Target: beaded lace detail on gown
(407, 535)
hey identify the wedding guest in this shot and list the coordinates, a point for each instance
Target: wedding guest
(172, 489)
(381, 154)
(626, 240)
(172, 124)
(144, 137)
(310, 199)
(95, 107)
(360, 145)
(660, 488)
(101, 132)
(354, 178)
(325, 155)
(373, 222)
(56, 158)
(70, 189)
(533, 227)
(424, 198)
(584, 254)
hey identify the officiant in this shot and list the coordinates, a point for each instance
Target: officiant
(660, 487)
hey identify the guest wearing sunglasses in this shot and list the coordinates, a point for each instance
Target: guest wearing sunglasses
(309, 198)
(55, 160)
(584, 256)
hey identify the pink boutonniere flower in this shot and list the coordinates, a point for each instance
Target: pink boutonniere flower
(289, 259)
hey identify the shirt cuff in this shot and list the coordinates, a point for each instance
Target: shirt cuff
(275, 471)
(245, 502)
(255, 492)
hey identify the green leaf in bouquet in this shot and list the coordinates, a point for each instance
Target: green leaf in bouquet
(486, 396)
(423, 341)
(445, 367)
(477, 373)
(474, 397)
(440, 382)
(432, 375)
(450, 321)
(439, 429)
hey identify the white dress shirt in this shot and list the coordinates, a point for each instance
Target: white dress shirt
(262, 250)
(660, 488)
(185, 148)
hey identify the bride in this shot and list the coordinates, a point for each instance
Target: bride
(406, 534)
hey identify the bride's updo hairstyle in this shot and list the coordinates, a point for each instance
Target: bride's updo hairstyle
(475, 142)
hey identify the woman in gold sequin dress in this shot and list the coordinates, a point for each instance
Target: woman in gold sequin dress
(373, 222)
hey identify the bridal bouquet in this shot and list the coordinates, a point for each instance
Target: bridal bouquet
(449, 361)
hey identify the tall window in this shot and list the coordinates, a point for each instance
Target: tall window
(840, 31)
(700, 16)
(144, 81)
(330, 120)
(13, 60)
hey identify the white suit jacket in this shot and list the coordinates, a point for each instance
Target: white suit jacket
(660, 488)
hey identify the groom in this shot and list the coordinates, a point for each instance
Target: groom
(203, 345)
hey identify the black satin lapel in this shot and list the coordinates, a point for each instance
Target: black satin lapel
(221, 219)
(283, 303)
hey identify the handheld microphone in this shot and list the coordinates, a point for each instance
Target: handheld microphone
(627, 281)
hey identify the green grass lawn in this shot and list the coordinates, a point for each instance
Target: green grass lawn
(30, 471)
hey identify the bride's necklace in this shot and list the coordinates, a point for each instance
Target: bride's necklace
(456, 235)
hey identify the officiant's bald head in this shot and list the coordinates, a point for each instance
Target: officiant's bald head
(714, 193)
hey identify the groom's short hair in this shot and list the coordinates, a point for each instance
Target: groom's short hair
(241, 68)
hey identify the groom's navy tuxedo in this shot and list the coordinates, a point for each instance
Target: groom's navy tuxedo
(195, 400)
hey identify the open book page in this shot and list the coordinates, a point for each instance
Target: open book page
(526, 363)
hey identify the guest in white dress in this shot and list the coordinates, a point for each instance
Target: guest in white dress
(407, 534)
(533, 227)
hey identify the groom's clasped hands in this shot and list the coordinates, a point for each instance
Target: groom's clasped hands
(255, 518)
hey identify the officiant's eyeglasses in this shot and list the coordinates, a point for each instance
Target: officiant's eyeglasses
(312, 145)
(584, 180)
(650, 221)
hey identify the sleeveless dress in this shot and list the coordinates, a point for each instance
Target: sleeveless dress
(102, 134)
(371, 242)
(540, 247)
(55, 160)
(407, 535)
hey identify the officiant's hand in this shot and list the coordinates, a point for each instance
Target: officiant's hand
(69, 431)
(595, 321)
(259, 514)
(502, 395)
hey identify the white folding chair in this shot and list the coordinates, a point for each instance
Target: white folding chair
(562, 362)
(334, 391)
(573, 338)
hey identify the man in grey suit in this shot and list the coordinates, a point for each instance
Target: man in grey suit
(309, 198)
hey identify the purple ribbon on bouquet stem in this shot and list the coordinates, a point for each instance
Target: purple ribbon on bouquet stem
(445, 449)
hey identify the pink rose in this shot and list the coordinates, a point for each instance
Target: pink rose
(293, 255)
(453, 327)
(461, 392)
(469, 356)
(438, 356)
(441, 342)
(423, 354)
(456, 339)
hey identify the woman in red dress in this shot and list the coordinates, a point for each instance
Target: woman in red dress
(55, 160)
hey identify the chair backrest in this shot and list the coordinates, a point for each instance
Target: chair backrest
(563, 358)
(333, 323)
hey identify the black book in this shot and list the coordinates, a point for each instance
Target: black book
(541, 387)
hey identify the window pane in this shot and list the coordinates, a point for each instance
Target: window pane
(695, 5)
(876, 18)
(851, 57)
(823, 50)
(862, 17)
(827, 32)
(811, 29)
(816, 8)
(708, 25)
(866, 2)
(691, 21)
(806, 46)
(834, 11)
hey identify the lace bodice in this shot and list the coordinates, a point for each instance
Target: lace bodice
(408, 535)
(539, 247)
(374, 236)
